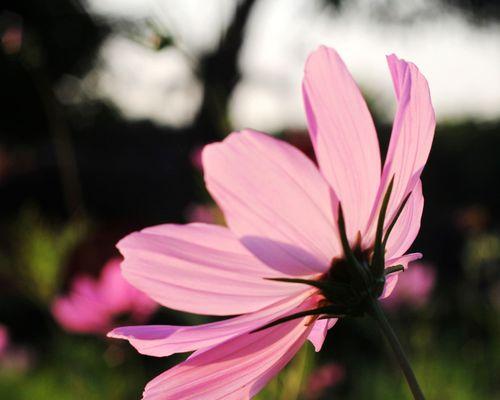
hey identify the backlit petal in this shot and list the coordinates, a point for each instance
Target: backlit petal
(234, 369)
(201, 269)
(392, 279)
(320, 329)
(343, 135)
(411, 137)
(164, 340)
(274, 199)
(408, 224)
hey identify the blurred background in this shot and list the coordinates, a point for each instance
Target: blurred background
(104, 107)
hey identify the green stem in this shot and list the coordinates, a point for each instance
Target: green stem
(377, 314)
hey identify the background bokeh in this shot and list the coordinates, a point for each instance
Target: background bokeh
(104, 106)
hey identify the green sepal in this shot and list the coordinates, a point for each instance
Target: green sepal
(339, 294)
(394, 220)
(378, 262)
(316, 311)
(360, 277)
(323, 285)
(332, 316)
(393, 269)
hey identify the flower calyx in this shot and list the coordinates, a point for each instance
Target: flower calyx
(354, 281)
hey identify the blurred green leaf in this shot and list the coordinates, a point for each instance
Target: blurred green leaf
(41, 249)
(76, 368)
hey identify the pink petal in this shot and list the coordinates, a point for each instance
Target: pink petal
(201, 269)
(390, 284)
(235, 369)
(408, 224)
(412, 135)
(320, 329)
(403, 260)
(164, 340)
(274, 199)
(392, 279)
(343, 135)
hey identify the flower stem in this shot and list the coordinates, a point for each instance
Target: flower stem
(377, 314)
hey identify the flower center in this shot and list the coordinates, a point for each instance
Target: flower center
(348, 285)
(355, 280)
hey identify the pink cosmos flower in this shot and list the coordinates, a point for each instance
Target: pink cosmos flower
(195, 157)
(93, 306)
(414, 287)
(4, 340)
(304, 244)
(322, 378)
(12, 39)
(13, 358)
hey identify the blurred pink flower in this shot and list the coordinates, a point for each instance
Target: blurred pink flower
(414, 287)
(13, 357)
(93, 306)
(284, 222)
(4, 339)
(195, 158)
(322, 378)
(12, 40)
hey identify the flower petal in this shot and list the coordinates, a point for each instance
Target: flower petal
(234, 369)
(201, 269)
(390, 284)
(318, 333)
(408, 224)
(164, 340)
(274, 199)
(403, 260)
(411, 138)
(343, 135)
(392, 279)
